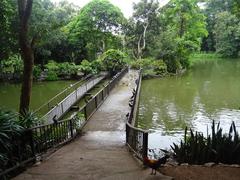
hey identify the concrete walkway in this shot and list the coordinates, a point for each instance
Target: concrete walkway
(101, 152)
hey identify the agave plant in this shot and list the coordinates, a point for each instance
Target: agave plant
(28, 119)
(9, 129)
(217, 147)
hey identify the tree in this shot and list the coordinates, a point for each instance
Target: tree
(185, 18)
(25, 9)
(6, 12)
(97, 23)
(142, 26)
(47, 21)
(227, 33)
(213, 8)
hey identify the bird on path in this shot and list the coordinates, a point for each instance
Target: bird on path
(155, 164)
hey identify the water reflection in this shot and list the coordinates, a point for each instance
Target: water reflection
(210, 91)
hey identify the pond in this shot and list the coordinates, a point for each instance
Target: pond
(41, 93)
(209, 91)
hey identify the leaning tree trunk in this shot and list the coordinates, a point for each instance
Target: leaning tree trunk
(25, 9)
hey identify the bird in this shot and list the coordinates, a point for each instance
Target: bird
(155, 164)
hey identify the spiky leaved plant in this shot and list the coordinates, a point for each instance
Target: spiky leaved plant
(217, 147)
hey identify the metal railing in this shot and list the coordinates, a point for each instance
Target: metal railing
(62, 107)
(136, 139)
(36, 141)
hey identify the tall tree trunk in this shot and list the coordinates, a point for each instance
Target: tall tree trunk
(25, 9)
(142, 38)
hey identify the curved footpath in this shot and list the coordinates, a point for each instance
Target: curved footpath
(100, 153)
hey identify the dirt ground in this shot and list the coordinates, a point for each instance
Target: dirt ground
(202, 173)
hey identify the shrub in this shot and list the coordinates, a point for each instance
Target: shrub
(173, 65)
(113, 60)
(97, 65)
(217, 147)
(159, 67)
(145, 63)
(66, 69)
(52, 76)
(9, 129)
(37, 71)
(86, 67)
(12, 65)
(28, 119)
(52, 66)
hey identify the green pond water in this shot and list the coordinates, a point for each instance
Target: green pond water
(209, 91)
(41, 93)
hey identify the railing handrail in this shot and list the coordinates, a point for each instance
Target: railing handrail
(82, 108)
(62, 92)
(133, 134)
(137, 129)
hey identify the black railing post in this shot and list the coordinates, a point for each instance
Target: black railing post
(127, 133)
(31, 138)
(145, 145)
(85, 112)
(102, 96)
(71, 127)
(96, 102)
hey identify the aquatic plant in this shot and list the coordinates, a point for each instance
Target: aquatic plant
(217, 147)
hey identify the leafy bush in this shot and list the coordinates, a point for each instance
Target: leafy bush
(217, 147)
(9, 129)
(145, 63)
(12, 65)
(97, 66)
(52, 76)
(28, 119)
(52, 66)
(37, 71)
(113, 60)
(86, 67)
(159, 67)
(66, 69)
(173, 65)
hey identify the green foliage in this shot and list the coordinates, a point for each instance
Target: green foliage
(52, 68)
(202, 58)
(150, 66)
(6, 15)
(12, 65)
(9, 129)
(97, 66)
(160, 67)
(94, 29)
(86, 67)
(28, 119)
(211, 11)
(66, 69)
(227, 30)
(113, 60)
(142, 28)
(52, 76)
(37, 71)
(56, 70)
(217, 147)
